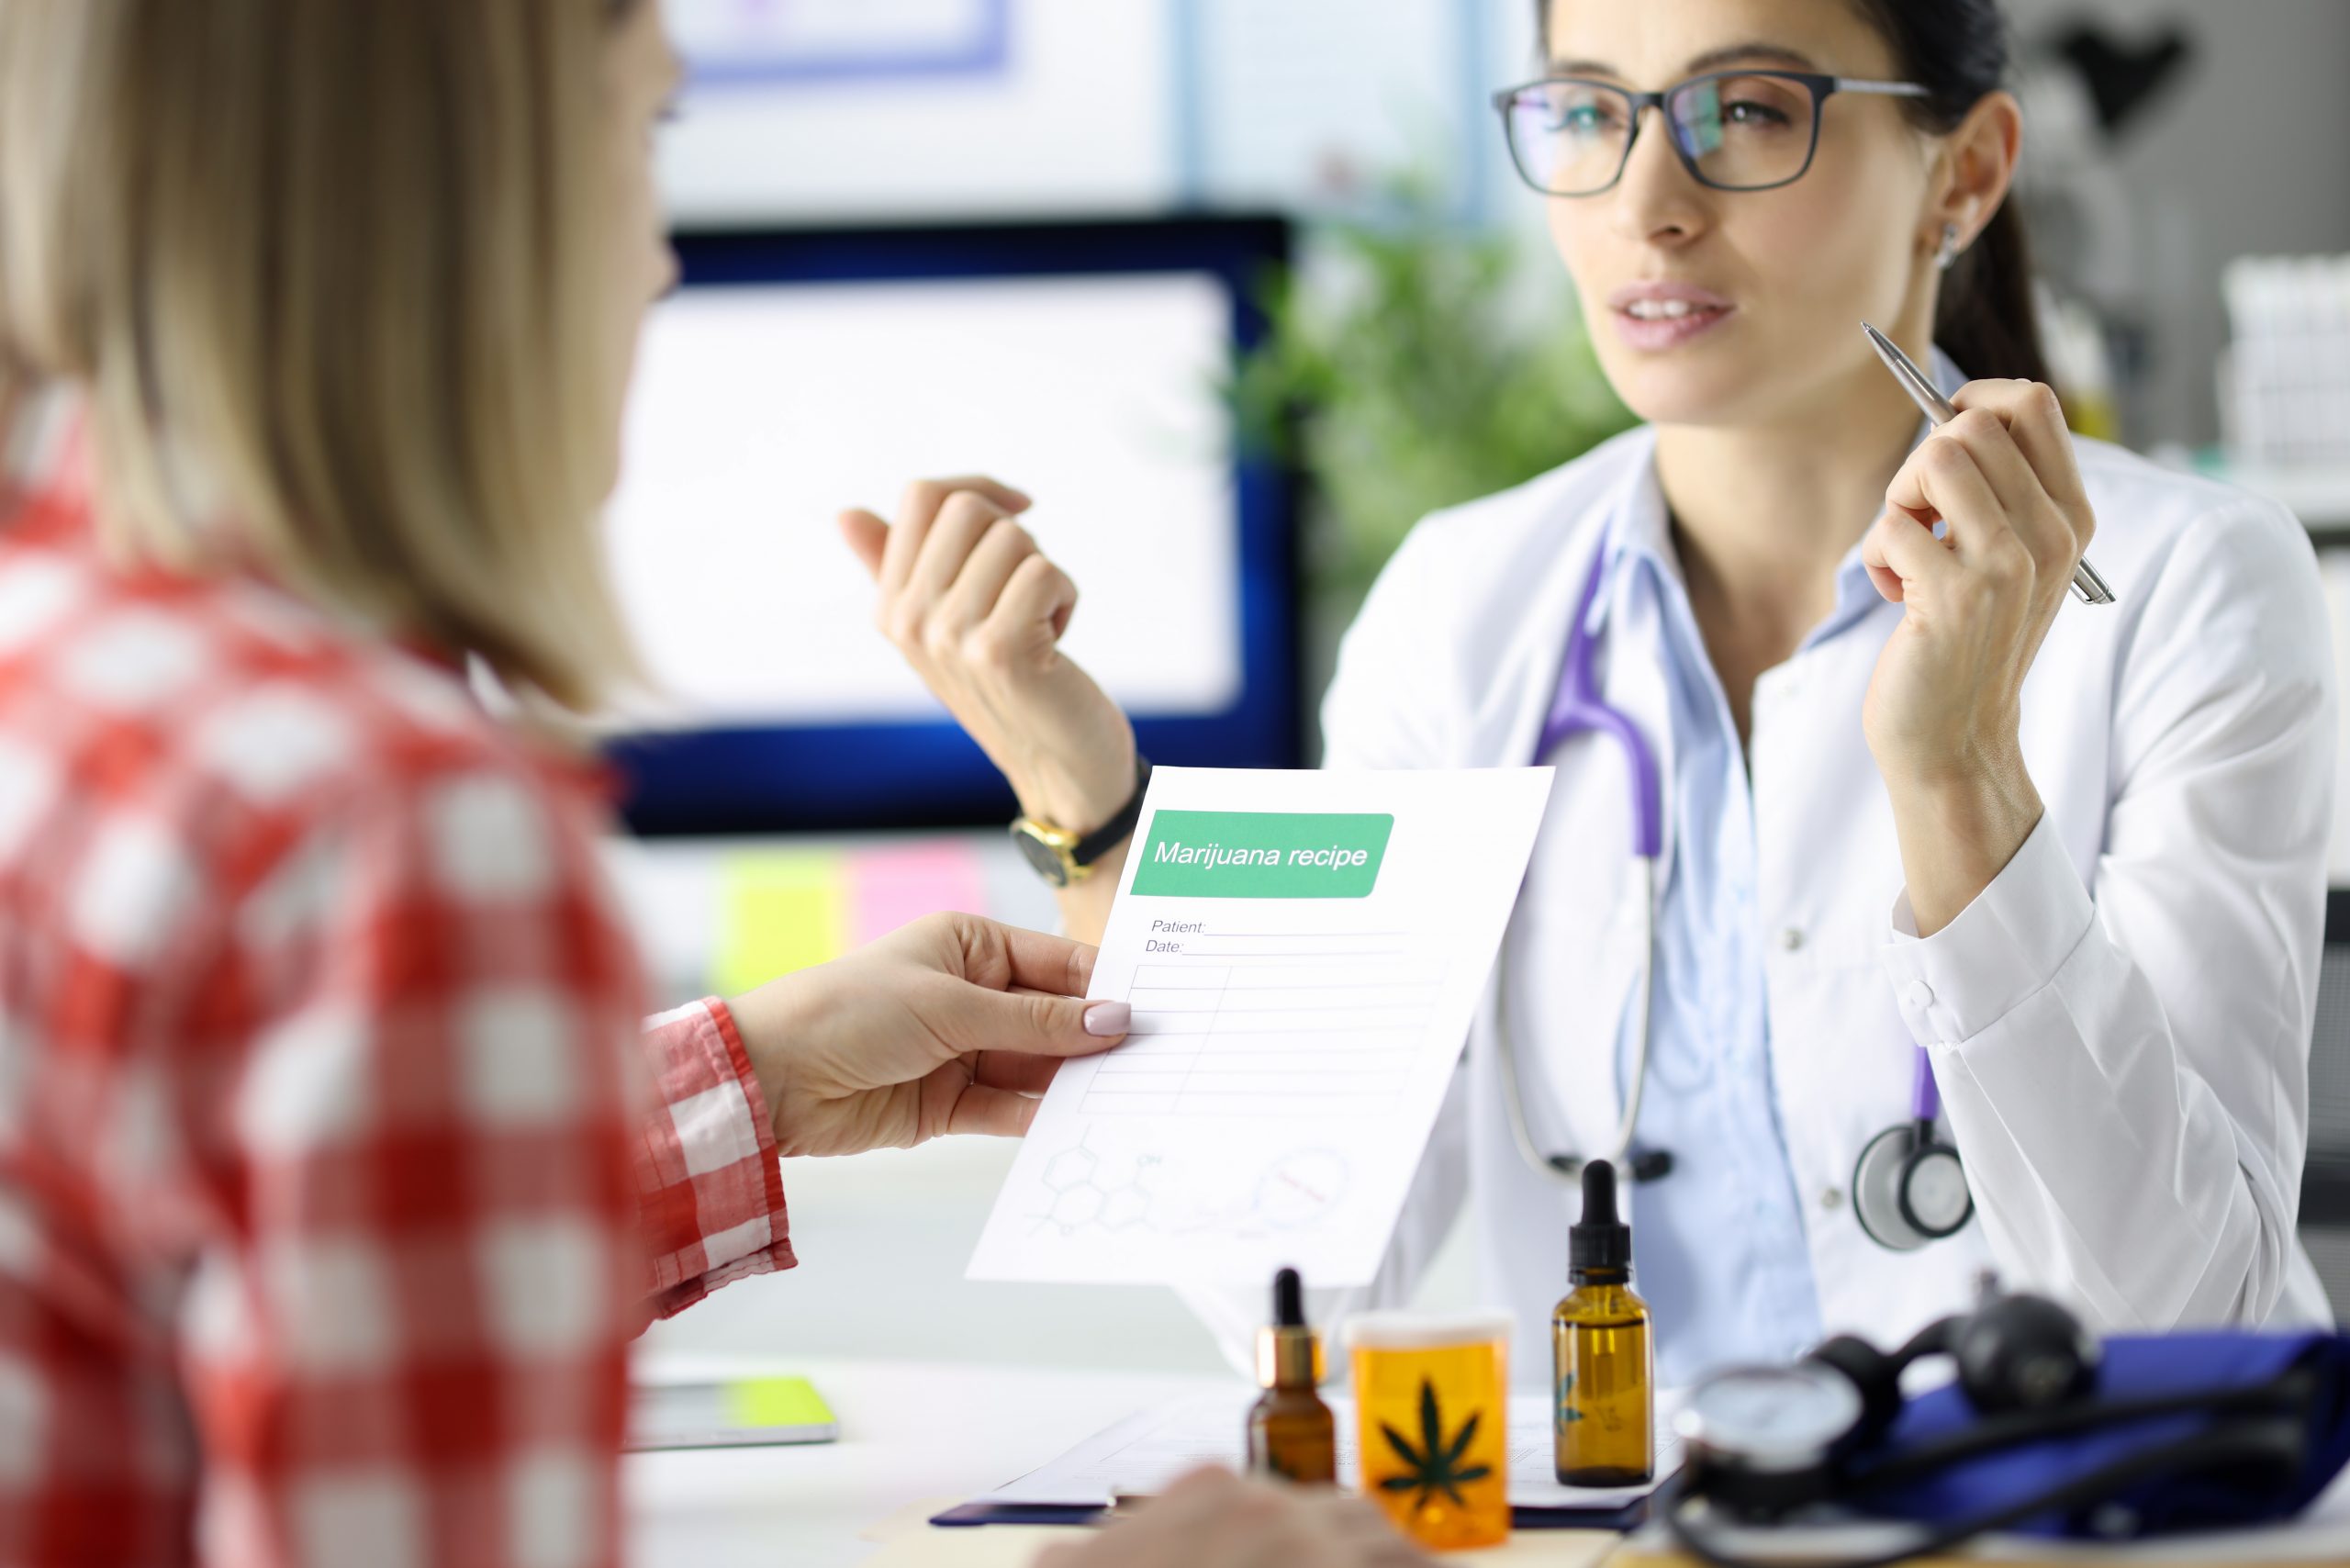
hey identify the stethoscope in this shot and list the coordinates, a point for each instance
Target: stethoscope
(1908, 1186)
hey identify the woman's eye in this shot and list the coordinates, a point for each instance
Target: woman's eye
(1746, 112)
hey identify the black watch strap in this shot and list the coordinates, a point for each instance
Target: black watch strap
(1114, 832)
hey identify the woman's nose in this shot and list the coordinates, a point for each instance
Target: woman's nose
(1656, 199)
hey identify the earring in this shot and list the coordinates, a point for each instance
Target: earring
(1951, 248)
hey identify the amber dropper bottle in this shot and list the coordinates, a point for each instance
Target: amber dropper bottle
(1604, 1355)
(1291, 1434)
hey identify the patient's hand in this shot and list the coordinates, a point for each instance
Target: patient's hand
(952, 1025)
(1212, 1518)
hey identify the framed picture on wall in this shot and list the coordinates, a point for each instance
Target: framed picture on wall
(762, 41)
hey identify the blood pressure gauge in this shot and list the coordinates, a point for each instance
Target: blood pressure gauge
(1765, 1439)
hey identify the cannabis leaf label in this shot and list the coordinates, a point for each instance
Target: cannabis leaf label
(1568, 1414)
(1436, 1462)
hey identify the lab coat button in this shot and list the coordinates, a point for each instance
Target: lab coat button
(1832, 1198)
(1791, 938)
(1919, 995)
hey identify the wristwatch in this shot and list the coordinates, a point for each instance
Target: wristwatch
(1063, 857)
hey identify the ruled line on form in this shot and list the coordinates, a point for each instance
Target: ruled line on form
(1338, 1023)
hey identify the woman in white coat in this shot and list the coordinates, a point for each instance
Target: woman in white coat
(1916, 807)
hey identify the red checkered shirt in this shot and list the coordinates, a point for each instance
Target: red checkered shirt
(333, 1181)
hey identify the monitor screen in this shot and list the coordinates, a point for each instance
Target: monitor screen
(795, 375)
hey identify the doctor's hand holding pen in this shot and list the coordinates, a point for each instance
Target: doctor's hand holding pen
(1943, 709)
(978, 611)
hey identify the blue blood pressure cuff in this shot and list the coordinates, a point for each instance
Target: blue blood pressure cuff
(2234, 1430)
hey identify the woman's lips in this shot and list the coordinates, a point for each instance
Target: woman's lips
(1655, 317)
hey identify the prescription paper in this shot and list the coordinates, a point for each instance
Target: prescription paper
(1303, 952)
(1143, 1454)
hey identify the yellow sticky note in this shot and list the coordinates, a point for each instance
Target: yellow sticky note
(759, 1402)
(779, 912)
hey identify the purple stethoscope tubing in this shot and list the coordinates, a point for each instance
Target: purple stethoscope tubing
(1925, 1094)
(1579, 709)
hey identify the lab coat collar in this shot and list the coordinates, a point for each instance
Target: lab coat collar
(1644, 524)
(1639, 535)
(1637, 526)
(1640, 528)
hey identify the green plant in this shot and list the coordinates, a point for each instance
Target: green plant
(1422, 380)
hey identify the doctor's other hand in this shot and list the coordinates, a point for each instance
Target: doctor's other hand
(1944, 707)
(1212, 1518)
(951, 1024)
(978, 611)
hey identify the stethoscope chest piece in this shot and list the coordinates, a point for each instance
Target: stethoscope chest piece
(1908, 1188)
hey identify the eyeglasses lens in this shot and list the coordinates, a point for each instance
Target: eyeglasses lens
(1741, 132)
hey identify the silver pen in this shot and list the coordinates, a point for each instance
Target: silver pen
(2088, 586)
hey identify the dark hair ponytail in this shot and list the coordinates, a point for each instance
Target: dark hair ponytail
(1958, 50)
(1985, 318)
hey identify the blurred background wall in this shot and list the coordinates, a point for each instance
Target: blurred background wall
(2226, 157)
(1308, 105)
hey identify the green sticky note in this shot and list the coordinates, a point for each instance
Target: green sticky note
(759, 1402)
(779, 912)
(1263, 855)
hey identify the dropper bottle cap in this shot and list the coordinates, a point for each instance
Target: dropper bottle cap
(1287, 1357)
(1600, 1239)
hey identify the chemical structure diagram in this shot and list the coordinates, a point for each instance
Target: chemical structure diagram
(1086, 1190)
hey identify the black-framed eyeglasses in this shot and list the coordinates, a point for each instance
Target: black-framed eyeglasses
(1734, 131)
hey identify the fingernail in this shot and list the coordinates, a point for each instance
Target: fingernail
(1104, 1020)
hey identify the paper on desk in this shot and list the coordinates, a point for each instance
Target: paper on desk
(1298, 1013)
(1144, 1453)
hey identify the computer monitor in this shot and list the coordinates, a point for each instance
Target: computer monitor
(795, 374)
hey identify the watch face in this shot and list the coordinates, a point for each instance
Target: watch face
(1769, 1417)
(1042, 855)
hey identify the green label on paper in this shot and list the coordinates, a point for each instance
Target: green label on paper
(1263, 855)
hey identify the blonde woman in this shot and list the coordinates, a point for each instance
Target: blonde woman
(330, 1188)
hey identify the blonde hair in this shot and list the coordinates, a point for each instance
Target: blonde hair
(333, 276)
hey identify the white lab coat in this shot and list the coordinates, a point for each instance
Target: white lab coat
(2119, 1024)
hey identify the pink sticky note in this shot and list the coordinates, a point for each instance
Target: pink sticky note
(889, 886)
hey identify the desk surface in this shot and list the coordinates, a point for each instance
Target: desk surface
(911, 1432)
(916, 1435)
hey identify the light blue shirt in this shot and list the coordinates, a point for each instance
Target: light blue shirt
(1718, 1247)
